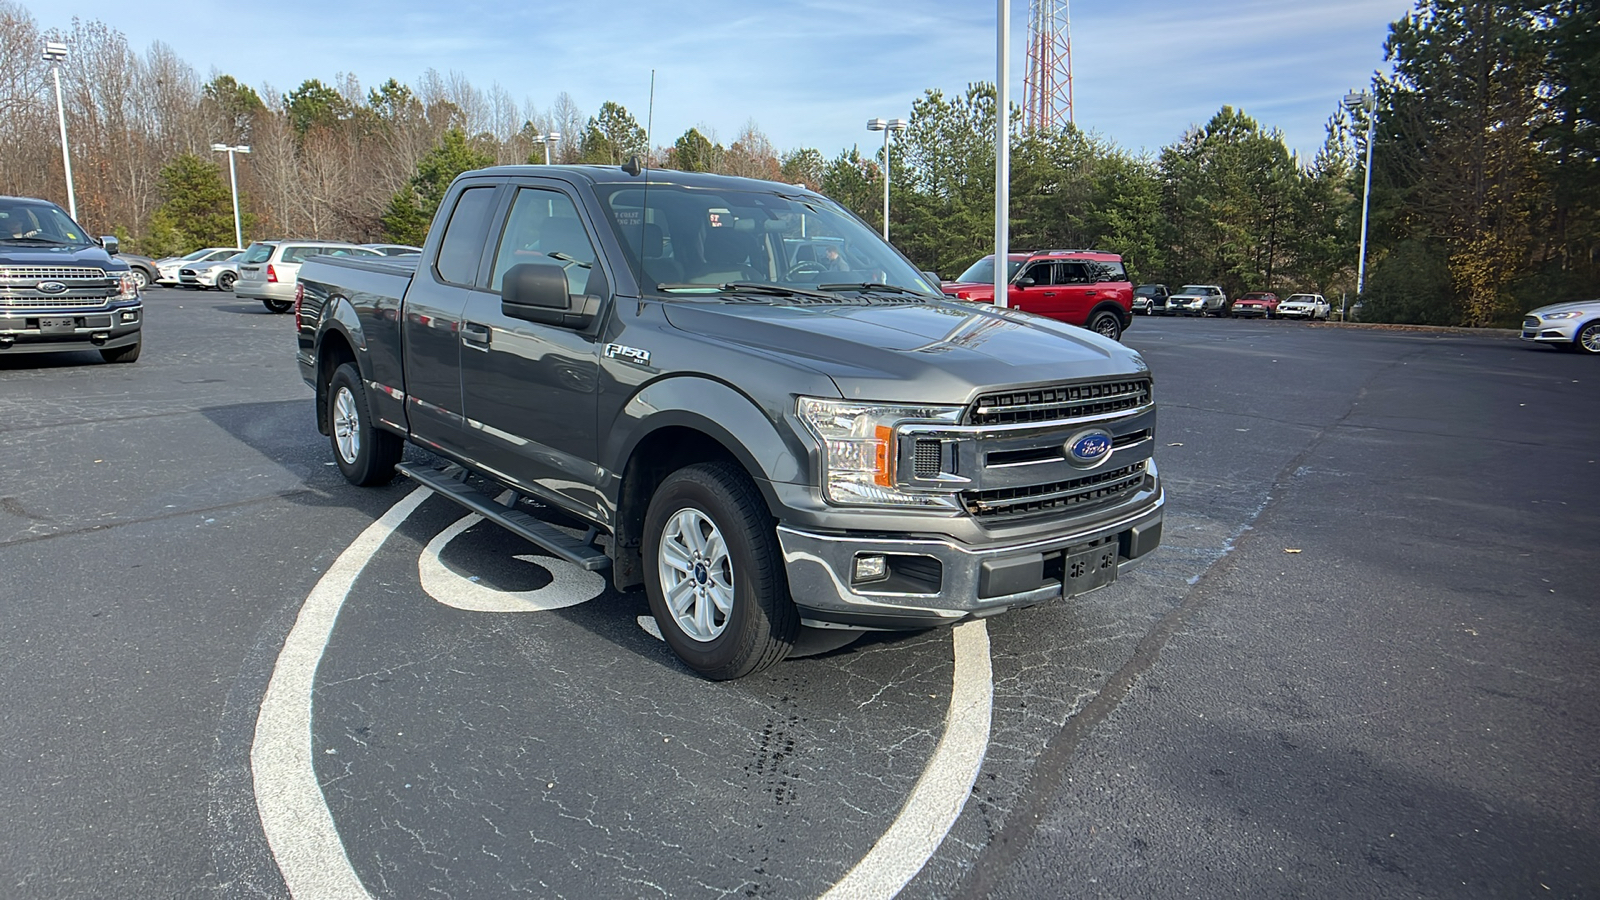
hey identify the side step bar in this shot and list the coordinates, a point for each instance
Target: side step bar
(448, 483)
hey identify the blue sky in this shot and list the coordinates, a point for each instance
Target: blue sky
(808, 72)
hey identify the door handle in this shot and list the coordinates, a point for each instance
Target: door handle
(475, 334)
(1091, 293)
(1049, 293)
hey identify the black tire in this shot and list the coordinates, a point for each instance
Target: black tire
(126, 354)
(278, 306)
(365, 454)
(1587, 340)
(762, 623)
(1106, 324)
(225, 281)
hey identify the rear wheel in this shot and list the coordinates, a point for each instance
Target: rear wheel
(1588, 339)
(140, 279)
(365, 454)
(714, 574)
(278, 306)
(1106, 324)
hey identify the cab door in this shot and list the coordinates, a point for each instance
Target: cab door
(1035, 290)
(531, 390)
(430, 332)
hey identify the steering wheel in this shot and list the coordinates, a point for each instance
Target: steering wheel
(805, 267)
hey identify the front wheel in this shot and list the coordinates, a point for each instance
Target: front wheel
(365, 454)
(714, 574)
(278, 306)
(1588, 339)
(225, 281)
(1106, 324)
(140, 279)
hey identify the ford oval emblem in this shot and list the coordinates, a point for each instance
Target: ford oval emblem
(51, 287)
(1088, 449)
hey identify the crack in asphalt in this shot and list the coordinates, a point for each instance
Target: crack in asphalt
(175, 514)
(1041, 787)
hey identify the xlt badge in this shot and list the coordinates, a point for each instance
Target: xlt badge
(631, 354)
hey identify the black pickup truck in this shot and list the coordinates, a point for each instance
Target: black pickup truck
(61, 290)
(764, 434)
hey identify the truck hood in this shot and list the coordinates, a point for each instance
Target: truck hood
(53, 255)
(916, 352)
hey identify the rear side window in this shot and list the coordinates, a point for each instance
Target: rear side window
(258, 253)
(464, 236)
(1108, 271)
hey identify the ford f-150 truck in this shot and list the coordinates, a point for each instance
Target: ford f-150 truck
(61, 290)
(762, 436)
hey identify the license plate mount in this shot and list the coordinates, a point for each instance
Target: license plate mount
(1089, 570)
(57, 324)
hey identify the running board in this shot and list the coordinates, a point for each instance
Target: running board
(448, 483)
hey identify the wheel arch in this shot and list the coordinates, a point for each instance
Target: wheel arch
(335, 347)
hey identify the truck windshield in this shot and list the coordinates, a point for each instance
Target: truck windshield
(982, 271)
(681, 237)
(39, 223)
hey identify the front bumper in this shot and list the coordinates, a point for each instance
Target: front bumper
(940, 581)
(102, 329)
(1250, 312)
(1559, 331)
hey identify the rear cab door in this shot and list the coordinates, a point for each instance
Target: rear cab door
(431, 314)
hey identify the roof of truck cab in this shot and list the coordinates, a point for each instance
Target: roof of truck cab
(615, 175)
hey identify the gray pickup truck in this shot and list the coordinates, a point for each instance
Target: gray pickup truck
(764, 414)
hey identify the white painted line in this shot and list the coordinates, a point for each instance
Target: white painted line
(294, 814)
(569, 585)
(936, 800)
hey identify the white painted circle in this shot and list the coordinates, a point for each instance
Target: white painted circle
(569, 585)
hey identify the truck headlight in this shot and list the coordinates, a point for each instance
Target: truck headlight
(127, 288)
(859, 450)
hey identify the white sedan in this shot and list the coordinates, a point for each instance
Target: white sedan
(1570, 326)
(1304, 306)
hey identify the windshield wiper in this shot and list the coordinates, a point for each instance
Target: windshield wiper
(873, 286)
(573, 259)
(35, 239)
(749, 287)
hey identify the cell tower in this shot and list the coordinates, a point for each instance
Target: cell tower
(1047, 98)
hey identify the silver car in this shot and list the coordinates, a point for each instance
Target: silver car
(1569, 326)
(1198, 300)
(219, 274)
(269, 268)
(168, 268)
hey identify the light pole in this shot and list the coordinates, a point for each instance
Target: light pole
(233, 185)
(55, 53)
(1364, 101)
(548, 140)
(1002, 156)
(886, 126)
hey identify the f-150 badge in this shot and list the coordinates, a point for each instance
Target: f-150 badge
(631, 354)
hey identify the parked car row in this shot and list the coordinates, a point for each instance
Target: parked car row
(1212, 300)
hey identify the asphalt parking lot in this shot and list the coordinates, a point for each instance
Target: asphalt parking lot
(1363, 663)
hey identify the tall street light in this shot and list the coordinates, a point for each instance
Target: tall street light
(886, 127)
(548, 140)
(1353, 101)
(55, 53)
(233, 184)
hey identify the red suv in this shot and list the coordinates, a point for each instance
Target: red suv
(1087, 288)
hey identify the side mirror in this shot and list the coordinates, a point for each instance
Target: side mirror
(1025, 282)
(933, 277)
(111, 244)
(537, 292)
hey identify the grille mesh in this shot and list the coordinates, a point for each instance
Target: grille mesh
(927, 457)
(48, 273)
(1062, 402)
(1091, 490)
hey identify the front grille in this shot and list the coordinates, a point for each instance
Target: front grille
(1530, 322)
(48, 273)
(1060, 403)
(57, 302)
(1099, 489)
